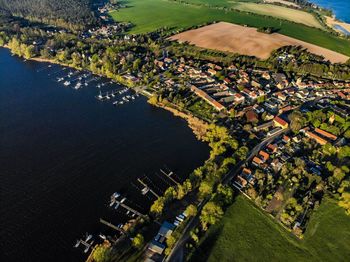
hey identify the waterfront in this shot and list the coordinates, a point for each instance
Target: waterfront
(341, 8)
(63, 153)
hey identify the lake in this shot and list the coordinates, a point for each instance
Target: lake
(341, 8)
(63, 153)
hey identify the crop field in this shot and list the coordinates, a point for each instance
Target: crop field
(150, 15)
(280, 12)
(248, 41)
(248, 234)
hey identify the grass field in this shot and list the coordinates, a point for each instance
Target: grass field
(248, 234)
(149, 15)
(280, 12)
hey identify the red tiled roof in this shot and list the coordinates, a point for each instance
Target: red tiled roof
(326, 134)
(280, 121)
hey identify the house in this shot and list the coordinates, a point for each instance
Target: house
(238, 98)
(240, 182)
(286, 139)
(276, 165)
(265, 156)
(257, 161)
(212, 72)
(246, 171)
(279, 122)
(251, 116)
(326, 134)
(272, 148)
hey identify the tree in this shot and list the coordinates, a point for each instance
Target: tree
(211, 214)
(297, 121)
(102, 253)
(158, 206)
(345, 202)
(224, 194)
(138, 241)
(205, 189)
(191, 210)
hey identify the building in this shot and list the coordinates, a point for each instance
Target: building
(272, 148)
(265, 156)
(207, 98)
(156, 247)
(326, 134)
(279, 122)
(318, 139)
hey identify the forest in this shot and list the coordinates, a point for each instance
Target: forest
(72, 14)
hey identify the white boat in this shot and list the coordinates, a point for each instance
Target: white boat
(86, 249)
(88, 238)
(123, 200)
(145, 190)
(116, 206)
(60, 79)
(132, 97)
(112, 202)
(102, 236)
(100, 97)
(77, 86)
(116, 103)
(86, 84)
(107, 96)
(128, 212)
(116, 195)
(121, 102)
(77, 244)
(67, 83)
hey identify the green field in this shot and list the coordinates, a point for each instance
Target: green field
(247, 234)
(149, 15)
(286, 13)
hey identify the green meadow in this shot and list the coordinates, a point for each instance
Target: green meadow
(247, 234)
(150, 15)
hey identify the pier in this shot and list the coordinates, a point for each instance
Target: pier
(111, 226)
(146, 186)
(168, 175)
(129, 208)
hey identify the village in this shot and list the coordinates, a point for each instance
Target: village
(274, 115)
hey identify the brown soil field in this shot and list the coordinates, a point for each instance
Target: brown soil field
(248, 41)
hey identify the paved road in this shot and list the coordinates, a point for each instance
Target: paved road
(176, 254)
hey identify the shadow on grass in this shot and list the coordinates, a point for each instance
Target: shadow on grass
(205, 248)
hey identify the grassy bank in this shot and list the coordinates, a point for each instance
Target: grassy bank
(248, 234)
(149, 15)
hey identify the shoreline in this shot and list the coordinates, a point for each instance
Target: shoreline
(198, 126)
(333, 21)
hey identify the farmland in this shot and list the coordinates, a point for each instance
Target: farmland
(246, 230)
(150, 15)
(247, 41)
(280, 12)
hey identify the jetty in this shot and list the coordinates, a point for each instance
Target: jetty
(147, 187)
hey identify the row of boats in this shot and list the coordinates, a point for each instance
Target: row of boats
(112, 94)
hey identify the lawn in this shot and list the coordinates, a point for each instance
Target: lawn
(248, 234)
(149, 15)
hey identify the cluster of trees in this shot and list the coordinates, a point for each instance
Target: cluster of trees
(72, 14)
(306, 63)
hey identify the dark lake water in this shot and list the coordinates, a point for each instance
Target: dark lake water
(63, 153)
